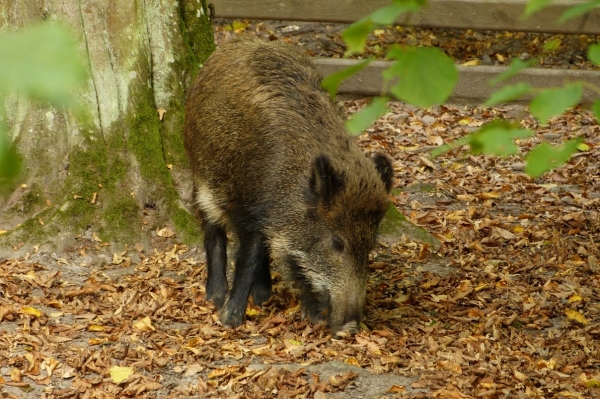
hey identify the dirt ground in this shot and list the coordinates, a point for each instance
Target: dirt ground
(508, 307)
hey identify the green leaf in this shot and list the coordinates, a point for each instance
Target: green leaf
(426, 76)
(596, 109)
(495, 138)
(10, 162)
(508, 93)
(552, 45)
(545, 157)
(593, 53)
(515, 67)
(332, 82)
(41, 60)
(554, 101)
(363, 118)
(356, 34)
(578, 10)
(534, 6)
(387, 15)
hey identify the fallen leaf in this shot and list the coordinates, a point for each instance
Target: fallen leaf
(575, 315)
(119, 374)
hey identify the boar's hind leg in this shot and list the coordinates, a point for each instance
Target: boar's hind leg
(215, 244)
(250, 259)
(261, 289)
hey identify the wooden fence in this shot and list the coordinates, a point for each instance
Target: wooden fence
(463, 14)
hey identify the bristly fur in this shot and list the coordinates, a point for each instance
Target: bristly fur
(273, 164)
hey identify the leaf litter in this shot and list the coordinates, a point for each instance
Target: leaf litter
(508, 307)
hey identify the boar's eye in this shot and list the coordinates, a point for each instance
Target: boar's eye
(337, 244)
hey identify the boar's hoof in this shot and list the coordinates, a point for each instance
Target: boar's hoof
(231, 318)
(349, 329)
(260, 294)
(215, 296)
(313, 314)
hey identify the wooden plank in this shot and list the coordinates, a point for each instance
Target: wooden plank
(472, 86)
(463, 14)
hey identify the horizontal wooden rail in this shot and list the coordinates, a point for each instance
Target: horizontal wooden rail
(463, 14)
(472, 87)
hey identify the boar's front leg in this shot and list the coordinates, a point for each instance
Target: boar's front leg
(215, 244)
(261, 289)
(250, 260)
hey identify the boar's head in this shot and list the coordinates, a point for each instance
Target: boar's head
(327, 251)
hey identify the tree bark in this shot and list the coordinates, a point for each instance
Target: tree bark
(97, 178)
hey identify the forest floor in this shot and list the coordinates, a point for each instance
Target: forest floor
(508, 307)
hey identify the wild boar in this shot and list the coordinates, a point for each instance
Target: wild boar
(273, 164)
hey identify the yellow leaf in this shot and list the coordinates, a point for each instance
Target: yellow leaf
(575, 298)
(97, 341)
(352, 361)
(31, 311)
(252, 312)
(583, 147)
(294, 342)
(575, 315)
(490, 195)
(471, 63)
(464, 121)
(119, 374)
(519, 229)
(96, 328)
(481, 287)
(144, 324)
(592, 383)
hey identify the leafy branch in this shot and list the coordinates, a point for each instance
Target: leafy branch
(425, 76)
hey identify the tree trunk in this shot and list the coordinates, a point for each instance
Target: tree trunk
(98, 179)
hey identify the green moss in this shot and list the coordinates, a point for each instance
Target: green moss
(198, 44)
(31, 230)
(187, 226)
(146, 142)
(121, 218)
(197, 32)
(34, 199)
(392, 220)
(394, 224)
(95, 167)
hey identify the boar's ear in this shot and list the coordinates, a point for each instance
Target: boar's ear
(325, 182)
(385, 169)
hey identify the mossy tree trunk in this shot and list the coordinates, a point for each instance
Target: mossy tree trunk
(93, 179)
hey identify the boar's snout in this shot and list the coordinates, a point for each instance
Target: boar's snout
(346, 316)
